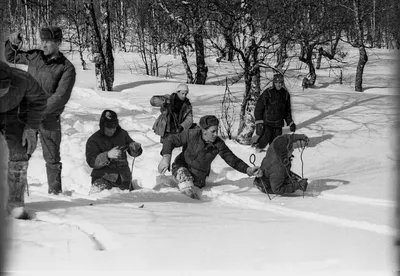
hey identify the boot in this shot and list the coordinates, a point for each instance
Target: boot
(17, 181)
(187, 188)
(297, 185)
(54, 178)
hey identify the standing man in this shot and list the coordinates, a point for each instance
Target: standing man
(273, 107)
(22, 102)
(56, 75)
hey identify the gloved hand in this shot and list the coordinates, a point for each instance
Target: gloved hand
(259, 129)
(114, 153)
(303, 184)
(29, 138)
(305, 138)
(164, 164)
(135, 149)
(187, 188)
(292, 127)
(15, 38)
(254, 171)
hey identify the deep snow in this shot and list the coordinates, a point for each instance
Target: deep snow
(345, 222)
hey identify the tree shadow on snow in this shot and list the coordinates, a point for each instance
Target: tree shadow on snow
(130, 85)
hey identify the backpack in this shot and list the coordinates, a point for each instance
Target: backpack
(160, 124)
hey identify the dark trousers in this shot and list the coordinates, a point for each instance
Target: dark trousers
(50, 139)
(269, 134)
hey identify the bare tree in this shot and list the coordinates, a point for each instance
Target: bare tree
(102, 48)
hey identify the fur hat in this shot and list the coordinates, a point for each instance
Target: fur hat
(208, 121)
(51, 33)
(108, 119)
(182, 87)
(5, 78)
(278, 78)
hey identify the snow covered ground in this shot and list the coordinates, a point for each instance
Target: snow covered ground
(345, 224)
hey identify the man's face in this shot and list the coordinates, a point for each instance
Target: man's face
(278, 85)
(109, 131)
(182, 94)
(210, 134)
(50, 47)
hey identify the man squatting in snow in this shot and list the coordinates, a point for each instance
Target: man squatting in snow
(200, 146)
(277, 178)
(106, 154)
(22, 102)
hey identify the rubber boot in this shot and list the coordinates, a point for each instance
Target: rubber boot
(54, 178)
(17, 181)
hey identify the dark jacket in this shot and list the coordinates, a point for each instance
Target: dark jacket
(97, 148)
(55, 76)
(170, 120)
(273, 108)
(199, 155)
(25, 101)
(276, 164)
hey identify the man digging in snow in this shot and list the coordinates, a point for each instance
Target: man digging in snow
(200, 147)
(22, 102)
(106, 154)
(276, 175)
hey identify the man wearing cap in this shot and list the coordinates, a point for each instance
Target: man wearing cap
(56, 75)
(200, 147)
(272, 109)
(176, 112)
(22, 102)
(106, 154)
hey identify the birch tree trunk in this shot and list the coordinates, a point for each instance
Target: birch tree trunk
(363, 59)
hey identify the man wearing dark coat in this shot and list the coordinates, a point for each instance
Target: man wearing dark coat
(22, 102)
(200, 146)
(273, 107)
(56, 75)
(277, 178)
(106, 154)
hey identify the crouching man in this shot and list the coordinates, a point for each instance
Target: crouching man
(200, 147)
(277, 177)
(106, 153)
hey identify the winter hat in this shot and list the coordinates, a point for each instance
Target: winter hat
(5, 78)
(278, 78)
(51, 33)
(108, 119)
(182, 87)
(208, 121)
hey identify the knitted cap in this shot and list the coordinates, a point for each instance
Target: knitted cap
(278, 78)
(109, 119)
(208, 121)
(182, 87)
(51, 33)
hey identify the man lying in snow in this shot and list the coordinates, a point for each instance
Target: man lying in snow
(200, 147)
(106, 154)
(277, 177)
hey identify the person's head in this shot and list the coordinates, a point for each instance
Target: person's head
(182, 90)
(278, 81)
(5, 78)
(109, 122)
(51, 38)
(209, 128)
